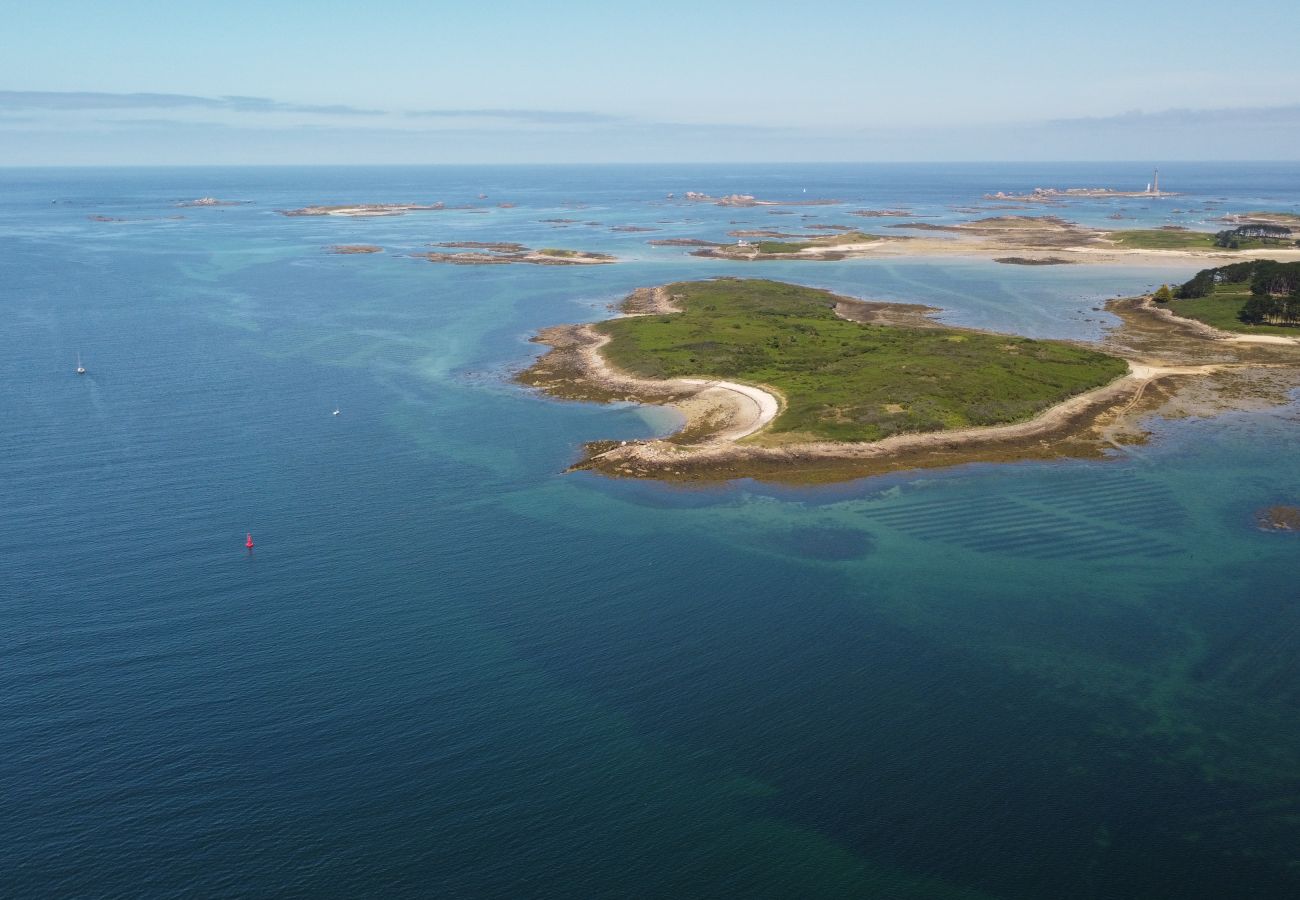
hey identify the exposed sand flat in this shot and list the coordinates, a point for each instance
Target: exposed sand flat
(847, 249)
(1127, 255)
(1261, 339)
(1145, 372)
(1028, 238)
(1099, 254)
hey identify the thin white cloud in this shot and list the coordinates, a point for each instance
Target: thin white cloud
(41, 125)
(1254, 115)
(532, 116)
(96, 100)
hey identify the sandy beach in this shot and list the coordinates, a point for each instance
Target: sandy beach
(722, 411)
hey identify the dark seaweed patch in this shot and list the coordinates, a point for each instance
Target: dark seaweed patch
(824, 542)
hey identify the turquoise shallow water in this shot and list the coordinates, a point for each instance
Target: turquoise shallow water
(449, 669)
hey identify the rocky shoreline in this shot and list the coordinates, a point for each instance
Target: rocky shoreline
(1175, 370)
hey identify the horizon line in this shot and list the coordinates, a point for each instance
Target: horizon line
(844, 162)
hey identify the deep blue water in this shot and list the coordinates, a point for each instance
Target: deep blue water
(448, 669)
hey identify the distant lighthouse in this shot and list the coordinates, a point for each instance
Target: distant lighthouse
(1155, 181)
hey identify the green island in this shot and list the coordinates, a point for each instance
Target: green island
(1256, 236)
(846, 237)
(1255, 297)
(1015, 239)
(824, 246)
(481, 253)
(849, 380)
(1162, 239)
(792, 383)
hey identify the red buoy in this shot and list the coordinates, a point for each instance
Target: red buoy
(249, 543)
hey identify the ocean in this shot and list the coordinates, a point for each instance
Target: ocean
(450, 669)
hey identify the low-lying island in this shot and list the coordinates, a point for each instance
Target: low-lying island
(786, 382)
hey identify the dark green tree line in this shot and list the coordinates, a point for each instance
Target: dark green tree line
(1274, 289)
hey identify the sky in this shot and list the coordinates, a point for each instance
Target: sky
(325, 82)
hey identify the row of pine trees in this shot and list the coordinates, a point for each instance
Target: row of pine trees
(1274, 290)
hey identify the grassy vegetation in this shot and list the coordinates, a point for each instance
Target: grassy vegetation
(1162, 239)
(783, 246)
(828, 240)
(847, 381)
(555, 251)
(1221, 308)
(1159, 239)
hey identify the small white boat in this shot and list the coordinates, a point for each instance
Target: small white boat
(81, 370)
(336, 411)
